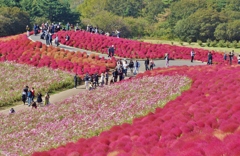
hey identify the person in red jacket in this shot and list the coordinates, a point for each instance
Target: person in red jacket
(33, 93)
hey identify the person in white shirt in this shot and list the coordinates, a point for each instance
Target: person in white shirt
(192, 55)
(167, 59)
(125, 66)
(102, 79)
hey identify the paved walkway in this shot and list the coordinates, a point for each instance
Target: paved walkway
(70, 92)
(158, 63)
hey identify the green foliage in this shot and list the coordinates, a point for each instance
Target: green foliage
(221, 43)
(124, 8)
(208, 42)
(213, 43)
(187, 20)
(200, 43)
(238, 44)
(228, 44)
(152, 9)
(186, 29)
(91, 8)
(234, 44)
(13, 21)
(53, 10)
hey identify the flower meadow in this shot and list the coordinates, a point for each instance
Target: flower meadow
(24, 51)
(87, 114)
(134, 49)
(14, 77)
(203, 121)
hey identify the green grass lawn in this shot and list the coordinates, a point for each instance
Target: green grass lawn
(193, 45)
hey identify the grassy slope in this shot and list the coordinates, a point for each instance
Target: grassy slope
(193, 45)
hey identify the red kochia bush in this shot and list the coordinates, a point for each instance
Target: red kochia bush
(22, 50)
(134, 49)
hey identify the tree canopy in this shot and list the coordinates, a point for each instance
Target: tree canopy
(34, 11)
(187, 20)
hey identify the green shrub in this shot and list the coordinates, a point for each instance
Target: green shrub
(213, 43)
(199, 42)
(238, 44)
(189, 41)
(234, 44)
(221, 43)
(208, 43)
(172, 43)
(228, 44)
(181, 43)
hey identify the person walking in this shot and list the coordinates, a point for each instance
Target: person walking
(167, 59)
(230, 57)
(27, 29)
(192, 55)
(75, 80)
(39, 98)
(29, 97)
(35, 28)
(136, 69)
(57, 40)
(151, 64)
(50, 39)
(47, 38)
(47, 97)
(24, 97)
(115, 75)
(33, 93)
(125, 67)
(106, 78)
(120, 73)
(112, 51)
(102, 79)
(146, 64)
(225, 56)
(86, 79)
(209, 58)
(131, 66)
(109, 51)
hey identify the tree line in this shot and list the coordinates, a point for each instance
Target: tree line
(16, 14)
(186, 20)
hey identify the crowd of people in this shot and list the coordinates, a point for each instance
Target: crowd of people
(227, 57)
(122, 70)
(28, 97)
(51, 28)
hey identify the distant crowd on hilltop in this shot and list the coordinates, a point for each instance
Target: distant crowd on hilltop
(55, 27)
